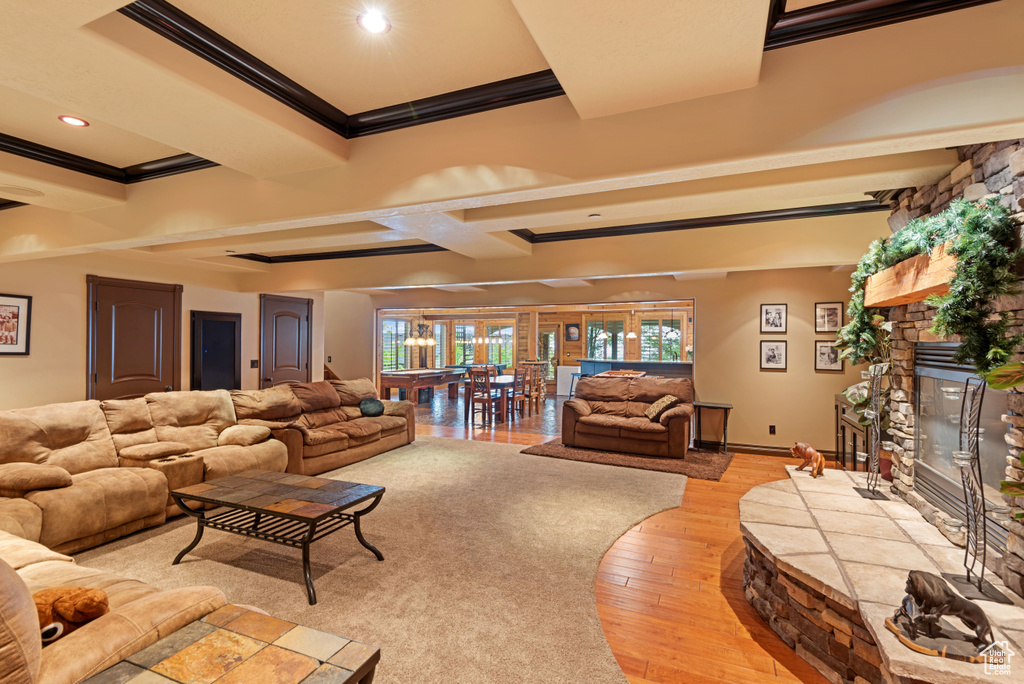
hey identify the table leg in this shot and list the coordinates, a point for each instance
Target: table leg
(368, 679)
(453, 390)
(307, 574)
(503, 410)
(468, 401)
(359, 532)
(200, 517)
(696, 437)
(725, 432)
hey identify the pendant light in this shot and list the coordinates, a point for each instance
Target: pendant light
(603, 335)
(631, 335)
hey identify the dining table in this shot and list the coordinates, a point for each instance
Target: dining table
(501, 383)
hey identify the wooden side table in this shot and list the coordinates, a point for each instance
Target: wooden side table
(698, 406)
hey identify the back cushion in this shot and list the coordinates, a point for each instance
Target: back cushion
(272, 403)
(129, 422)
(352, 392)
(195, 419)
(602, 389)
(650, 390)
(73, 436)
(20, 644)
(314, 396)
(331, 416)
(612, 408)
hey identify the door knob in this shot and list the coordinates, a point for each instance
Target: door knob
(268, 379)
(168, 388)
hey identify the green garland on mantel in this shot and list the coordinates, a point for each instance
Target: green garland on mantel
(982, 236)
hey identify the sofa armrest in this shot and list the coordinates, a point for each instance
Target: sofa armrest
(402, 409)
(680, 411)
(120, 633)
(580, 406)
(18, 478)
(148, 452)
(21, 518)
(291, 437)
(243, 435)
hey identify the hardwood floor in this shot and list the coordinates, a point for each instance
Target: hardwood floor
(670, 590)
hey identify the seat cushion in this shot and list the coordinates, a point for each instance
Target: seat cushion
(195, 419)
(20, 644)
(272, 403)
(389, 425)
(324, 435)
(230, 460)
(73, 436)
(98, 501)
(314, 396)
(361, 430)
(600, 424)
(643, 428)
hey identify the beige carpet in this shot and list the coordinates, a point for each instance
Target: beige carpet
(488, 577)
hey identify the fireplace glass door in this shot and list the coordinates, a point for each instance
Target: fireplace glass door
(938, 427)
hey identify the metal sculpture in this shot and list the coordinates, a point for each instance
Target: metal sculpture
(875, 373)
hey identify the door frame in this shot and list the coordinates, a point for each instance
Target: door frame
(264, 298)
(557, 358)
(196, 319)
(93, 283)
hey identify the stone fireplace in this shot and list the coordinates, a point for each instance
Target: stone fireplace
(990, 170)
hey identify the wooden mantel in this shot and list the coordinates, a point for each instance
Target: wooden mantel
(912, 280)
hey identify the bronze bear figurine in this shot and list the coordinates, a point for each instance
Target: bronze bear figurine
(934, 598)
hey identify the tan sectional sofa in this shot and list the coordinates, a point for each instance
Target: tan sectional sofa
(608, 414)
(321, 424)
(139, 616)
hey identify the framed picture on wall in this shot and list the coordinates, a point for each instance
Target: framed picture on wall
(773, 355)
(828, 316)
(826, 356)
(15, 324)
(774, 318)
(572, 332)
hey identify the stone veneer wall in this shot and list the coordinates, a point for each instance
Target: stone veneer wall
(828, 635)
(990, 170)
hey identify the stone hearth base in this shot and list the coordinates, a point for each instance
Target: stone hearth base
(825, 567)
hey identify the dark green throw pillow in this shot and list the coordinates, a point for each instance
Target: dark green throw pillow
(371, 408)
(657, 408)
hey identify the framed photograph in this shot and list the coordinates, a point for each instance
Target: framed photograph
(828, 316)
(15, 324)
(773, 355)
(774, 318)
(572, 332)
(826, 356)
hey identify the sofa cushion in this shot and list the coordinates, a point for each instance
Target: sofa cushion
(611, 408)
(195, 419)
(324, 435)
(643, 428)
(20, 553)
(314, 396)
(327, 417)
(129, 422)
(652, 389)
(21, 518)
(599, 424)
(18, 478)
(98, 501)
(361, 430)
(389, 425)
(20, 643)
(660, 406)
(73, 436)
(272, 403)
(148, 452)
(352, 392)
(223, 461)
(602, 389)
(243, 435)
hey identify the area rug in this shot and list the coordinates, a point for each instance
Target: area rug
(699, 463)
(488, 573)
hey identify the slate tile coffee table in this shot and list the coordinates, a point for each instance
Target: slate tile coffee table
(294, 510)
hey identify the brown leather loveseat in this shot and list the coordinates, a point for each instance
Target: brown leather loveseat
(608, 414)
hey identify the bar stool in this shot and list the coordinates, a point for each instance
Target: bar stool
(572, 383)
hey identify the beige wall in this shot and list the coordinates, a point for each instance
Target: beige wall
(349, 333)
(799, 402)
(55, 369)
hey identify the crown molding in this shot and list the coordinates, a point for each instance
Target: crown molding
(168, 166)
(346, 254)
(848, 16)
(820, 211)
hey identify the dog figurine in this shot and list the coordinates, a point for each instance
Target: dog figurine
(934, 598)
(810, 457)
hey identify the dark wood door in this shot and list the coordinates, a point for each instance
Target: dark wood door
(216, 350)
(284, 339)
(134, 338)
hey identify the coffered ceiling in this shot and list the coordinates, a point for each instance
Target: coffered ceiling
(473, 135)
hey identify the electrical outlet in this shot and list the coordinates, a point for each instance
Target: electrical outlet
(771, 429)
(255, 363)
(328, 359)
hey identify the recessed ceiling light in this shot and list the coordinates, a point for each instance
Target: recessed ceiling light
(373, 21)
(594, 216)
(73, 121)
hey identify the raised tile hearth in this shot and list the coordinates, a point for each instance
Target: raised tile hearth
(825, 567)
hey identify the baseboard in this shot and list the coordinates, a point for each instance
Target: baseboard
(768, 450)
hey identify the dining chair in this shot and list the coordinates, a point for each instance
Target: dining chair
(536, 377)
(482, 396)
(519, 395)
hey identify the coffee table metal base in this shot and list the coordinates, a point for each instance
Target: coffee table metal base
(279, 529)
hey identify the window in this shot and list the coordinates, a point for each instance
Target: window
(463, 344)
(613, 346)
(393, 357)
(500, 353)
(660, 339)
(441, 348)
